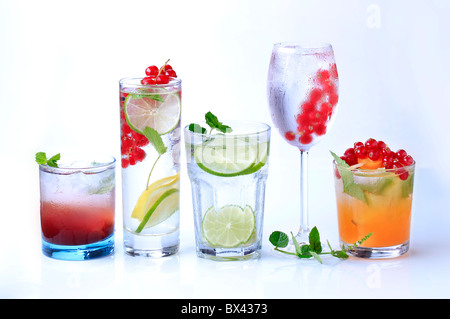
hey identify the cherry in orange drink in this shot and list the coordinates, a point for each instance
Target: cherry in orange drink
(78, 208)
(374, 188)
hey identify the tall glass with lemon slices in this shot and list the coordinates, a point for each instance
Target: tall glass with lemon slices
(150, 148)
(228, 174)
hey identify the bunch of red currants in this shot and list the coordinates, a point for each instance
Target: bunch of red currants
(131, 141)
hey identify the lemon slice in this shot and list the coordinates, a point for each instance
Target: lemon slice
(226, 156)
(158, 110)
(152, 208)
(229, 227)
(165, 205)
(146, 200)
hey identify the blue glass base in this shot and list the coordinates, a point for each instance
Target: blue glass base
(82, 252)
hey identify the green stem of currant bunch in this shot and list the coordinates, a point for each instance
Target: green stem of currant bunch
(150, 174)
(153, 136)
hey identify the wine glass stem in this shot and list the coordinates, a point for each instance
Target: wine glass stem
(304, 229)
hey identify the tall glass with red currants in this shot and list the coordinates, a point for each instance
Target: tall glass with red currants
(150, 111)
(302, 88)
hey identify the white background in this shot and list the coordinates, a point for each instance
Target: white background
(60, 62)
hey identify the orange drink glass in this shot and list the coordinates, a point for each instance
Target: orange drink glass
(376, 201)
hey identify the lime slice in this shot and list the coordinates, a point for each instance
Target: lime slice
(166, 204)
(263, 155)
(152, 193)
(226, 156)
(160, 111)
(230, 227)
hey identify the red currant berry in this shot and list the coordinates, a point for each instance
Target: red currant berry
(305, 139)
(139, 154)
(374, 154)
(320, 129)
(388, 161)
(125, 162)
(385, 151)
(407, 160)
(166, 67)
(381, 145)
(358, 144)
(323, 76)
(371, 143)
(317, 117)
(315, 95)
(125, 129)
(404, 176)
(361, 152)
(171, 73)
(401, 172)
(307, 107)
(149, 80)
(336, 172)
(303, 120)
(351, 159)
(333, 99)
(333, 71)
(289, 136)
(400, 154)
(162, 79)
(349, 151)
(152, 70)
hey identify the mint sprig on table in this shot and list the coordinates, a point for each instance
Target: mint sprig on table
(41, 158)
(213, 122)
(314, 248)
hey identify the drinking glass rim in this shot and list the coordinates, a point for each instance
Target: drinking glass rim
(378, 171)
(303, 46)
(130, 80)
(93, 168)
(267, 129)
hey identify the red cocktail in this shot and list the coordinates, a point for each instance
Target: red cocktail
(78, 208)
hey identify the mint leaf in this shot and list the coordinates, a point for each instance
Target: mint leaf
(314, 240)
(155, 97)
(41, 158)
(407, 186)
(224, 128)
(52, 161)
(298, 249)
(279, 239)
(316, 256)
(196, 128)
(153, 136)
(211, 120)
(214, 123)
(350, 187)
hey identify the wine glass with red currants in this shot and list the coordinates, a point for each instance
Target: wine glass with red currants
(302, 88)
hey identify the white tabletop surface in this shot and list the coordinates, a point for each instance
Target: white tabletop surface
(422, 273)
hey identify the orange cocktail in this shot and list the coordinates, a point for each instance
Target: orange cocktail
(374, 199)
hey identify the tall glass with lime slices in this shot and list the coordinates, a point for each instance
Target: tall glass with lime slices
(228, 173)
(150, 148)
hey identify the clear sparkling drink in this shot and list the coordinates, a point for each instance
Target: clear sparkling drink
(228, 173)
(150, 148)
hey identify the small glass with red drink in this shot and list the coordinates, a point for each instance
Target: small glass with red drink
(78, 208)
